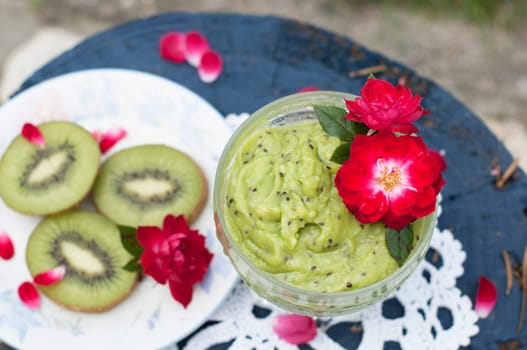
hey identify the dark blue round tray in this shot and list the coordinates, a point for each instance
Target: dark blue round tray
(268, 57)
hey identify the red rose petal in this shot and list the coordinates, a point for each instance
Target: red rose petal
(308, 89)
(486, 297)
(295, 329)
(51, 276)
(406, 129)
(109, 138)
(181, 292)
(154, 267)
(29, 295)
(172, 224)
(172, 47)
(7, 250)
(196, 45)
(210, 67)
(150, 238)
(32, 133)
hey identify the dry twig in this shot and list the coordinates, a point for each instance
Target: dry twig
(501, 180)
(367, 71)
(508, 270)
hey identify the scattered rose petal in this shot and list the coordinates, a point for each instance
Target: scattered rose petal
(109, 138)
(210, 67)
(196, 45)
(7, 250)
(172, 47)
(495, 171)
(295, 329)
(51, 276)
(308, 89)
(486, 297)
(29, 295)
(31, 133)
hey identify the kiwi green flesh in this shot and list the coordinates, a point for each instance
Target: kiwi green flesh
(89, 245)
(140, 185)
(47, 180)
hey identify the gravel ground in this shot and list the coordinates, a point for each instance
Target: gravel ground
(484, 67)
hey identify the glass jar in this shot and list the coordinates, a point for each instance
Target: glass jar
(292, 109)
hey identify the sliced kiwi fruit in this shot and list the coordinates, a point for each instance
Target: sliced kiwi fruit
(41, 181)
(140, 185)
(89, 245)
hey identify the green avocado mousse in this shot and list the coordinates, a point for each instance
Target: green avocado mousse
(292, 233)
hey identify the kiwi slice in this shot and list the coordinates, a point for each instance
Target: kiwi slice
(41, 181)
(140, 185)
(89, 246)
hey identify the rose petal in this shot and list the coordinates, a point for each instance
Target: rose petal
(181, 292)
(174, 224)
(495, 171)
(295, 329)
(486, 297)
(172, 47)
(154, 267)
(29, 295)
(150, 238)
(308, 89)
(210, 67)
(196, 45)
(109, 138)
(51, 276)
(7, 250)
(32, 133)
(406, 129)
(97, 135)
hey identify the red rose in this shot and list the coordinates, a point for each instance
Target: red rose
(175, 253)
(382, 106)
(389, 178)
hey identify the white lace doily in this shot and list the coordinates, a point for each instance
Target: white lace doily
(429, 295)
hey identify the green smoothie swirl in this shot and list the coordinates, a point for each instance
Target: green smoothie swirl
(286, 216)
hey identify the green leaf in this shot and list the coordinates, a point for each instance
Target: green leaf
(341, 153)
(360, 128)
(400, 243)
(129, 240)
(333, 122)
(133, 265)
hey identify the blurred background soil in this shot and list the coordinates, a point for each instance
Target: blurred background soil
(475, 49)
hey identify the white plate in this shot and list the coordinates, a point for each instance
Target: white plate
(152, 110)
